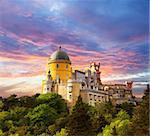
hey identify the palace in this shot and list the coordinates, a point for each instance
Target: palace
(61, 79)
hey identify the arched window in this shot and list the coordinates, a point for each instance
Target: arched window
(57, 65)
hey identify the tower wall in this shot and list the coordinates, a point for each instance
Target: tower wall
(60, 70)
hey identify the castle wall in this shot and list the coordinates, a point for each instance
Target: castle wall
(92, 97)
(62, 90)
(60, 70)
(75, 92)
(88, 84)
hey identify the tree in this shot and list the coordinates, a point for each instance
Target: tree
(79, 123)
(118, 126)
(1, 132)
(105, 109)
(53, 100)
(10, 102)
(140, 120)
(41, 117)
(17, 115)
(31, 115)
(63, 132)
(1, 105)
(114, 131)
(59, 124)
(128, 107)
(28, 101)
(52, 129)
(98, 122)
(20, 131)
(3, 116)
(102, 115)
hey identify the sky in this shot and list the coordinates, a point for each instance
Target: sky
(112, 32)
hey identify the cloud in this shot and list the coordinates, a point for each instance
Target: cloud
(87, 31)
(10, 87)
(6, 89)
(20, 85)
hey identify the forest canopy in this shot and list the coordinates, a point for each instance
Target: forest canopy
(48, 115)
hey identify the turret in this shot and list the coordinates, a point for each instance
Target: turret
(59, 65)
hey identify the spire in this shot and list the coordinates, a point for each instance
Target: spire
(49, 72)
(59, 47)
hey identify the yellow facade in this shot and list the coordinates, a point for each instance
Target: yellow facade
(60, 70)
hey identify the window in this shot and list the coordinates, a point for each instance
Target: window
(90, 95)
(70, 89)
(95, 97)
(67, 66)
(57, 65)
(70, 97)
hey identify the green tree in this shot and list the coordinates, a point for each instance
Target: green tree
(59, 124)
(79, 123)
(140, 120)
(21, 131)
(28, 101)
(128, 107)
(41, 117)
(52, 129)
(63, 132)
(114, 131)
(53, 100)
(3, 117)
(1, 132)
(17, 115)
(11, 102)
(119, 125)
(106, 109)
(98, 123)
(1, 105)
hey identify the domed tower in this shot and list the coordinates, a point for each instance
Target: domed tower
(59, 65)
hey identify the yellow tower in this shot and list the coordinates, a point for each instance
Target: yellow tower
(59, 66)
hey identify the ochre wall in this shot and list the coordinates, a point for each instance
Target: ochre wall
(75, 92)
(62, 71)
(62, 91)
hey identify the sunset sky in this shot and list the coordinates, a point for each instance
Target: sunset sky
(112, 32)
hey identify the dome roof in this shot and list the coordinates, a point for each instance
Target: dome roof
(59, 55)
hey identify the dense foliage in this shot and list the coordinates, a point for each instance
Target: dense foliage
(79, 123)
(32, 115)
(140, 120)
(48, 115)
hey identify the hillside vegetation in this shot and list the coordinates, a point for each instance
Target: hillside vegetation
(48, 115)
